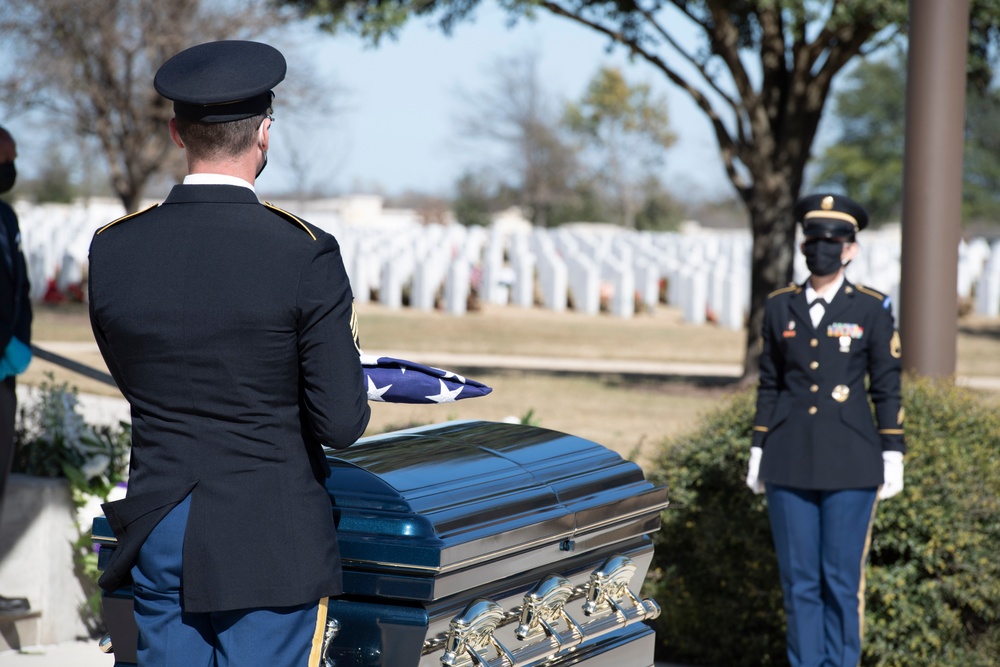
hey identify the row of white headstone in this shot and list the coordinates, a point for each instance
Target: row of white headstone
(704, 273)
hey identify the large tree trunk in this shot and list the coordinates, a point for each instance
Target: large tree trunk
(131, 200)
(773, 226)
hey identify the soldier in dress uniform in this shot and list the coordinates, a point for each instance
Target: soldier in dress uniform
(816, 450)
(15, 328)
(227, 324)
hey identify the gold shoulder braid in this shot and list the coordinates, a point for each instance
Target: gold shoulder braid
(870, 292)
(126, 217)
(781, 290)
(290, 217)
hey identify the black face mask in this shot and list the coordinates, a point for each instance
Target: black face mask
(8, 174)
(823, 256)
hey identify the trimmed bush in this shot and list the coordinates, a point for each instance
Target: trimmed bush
(933, 580)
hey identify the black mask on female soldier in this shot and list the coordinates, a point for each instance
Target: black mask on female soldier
(823, 256)
(8, 174)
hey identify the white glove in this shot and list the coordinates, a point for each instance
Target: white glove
(892, 483)
(756, 485)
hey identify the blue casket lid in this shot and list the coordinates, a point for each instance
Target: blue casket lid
(430, 511)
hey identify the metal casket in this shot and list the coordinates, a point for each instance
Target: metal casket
(479, 543)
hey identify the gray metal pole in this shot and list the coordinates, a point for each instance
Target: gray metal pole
(932, 185)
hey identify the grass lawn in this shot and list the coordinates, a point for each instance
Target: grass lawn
(628, 414)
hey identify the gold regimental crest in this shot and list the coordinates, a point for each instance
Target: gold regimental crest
(827, 203)
(895, 346)
(841, 392)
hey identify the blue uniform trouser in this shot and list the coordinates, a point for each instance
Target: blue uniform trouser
(821, 539)
(171, 637)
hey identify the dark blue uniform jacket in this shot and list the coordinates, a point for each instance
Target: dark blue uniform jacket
(814, 420)
(15, 307)
(227, 326)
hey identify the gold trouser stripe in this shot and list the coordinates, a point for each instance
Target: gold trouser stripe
(864, 561)
(315, 653)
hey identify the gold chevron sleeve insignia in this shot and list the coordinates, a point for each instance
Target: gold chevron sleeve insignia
(354, 329)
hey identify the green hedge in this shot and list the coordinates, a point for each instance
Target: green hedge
(933, 581)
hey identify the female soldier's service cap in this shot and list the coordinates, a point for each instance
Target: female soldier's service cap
(219, 82)
(830, 216)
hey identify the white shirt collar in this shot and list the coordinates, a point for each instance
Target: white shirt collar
(217, 179)
(828, 294)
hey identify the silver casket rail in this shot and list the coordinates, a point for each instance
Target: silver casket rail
(479, 543)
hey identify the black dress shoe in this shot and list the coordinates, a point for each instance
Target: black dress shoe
(14, 605)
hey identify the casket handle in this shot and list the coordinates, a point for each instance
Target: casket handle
(472, 633)
(546, 628)
(330, 633)
(543, 606)
(609, 588)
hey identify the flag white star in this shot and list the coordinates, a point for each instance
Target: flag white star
(445, 396)
(375, 393)
(448, 375)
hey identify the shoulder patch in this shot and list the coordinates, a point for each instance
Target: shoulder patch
(791, 288)
(870, 292)
(126, 217)
(291, 218)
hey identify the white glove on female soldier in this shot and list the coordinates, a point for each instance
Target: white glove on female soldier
(756, 485)
(892, 467)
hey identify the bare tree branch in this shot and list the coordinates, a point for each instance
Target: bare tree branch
(93, 64)
(694, 62)
(728, 148)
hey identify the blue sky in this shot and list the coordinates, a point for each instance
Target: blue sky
(403, 98)
(395, 130)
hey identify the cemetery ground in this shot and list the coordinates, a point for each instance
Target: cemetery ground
(573, 373)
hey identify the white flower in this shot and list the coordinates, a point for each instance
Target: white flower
(117, 492)
(95, 466)
(90, 509)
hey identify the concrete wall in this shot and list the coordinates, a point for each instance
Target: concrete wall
(37, 531)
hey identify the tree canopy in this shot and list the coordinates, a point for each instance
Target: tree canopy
(89, 66)
(866, 157)
(761, 73)
(628, 131)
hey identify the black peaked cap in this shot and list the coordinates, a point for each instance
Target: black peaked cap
(223, 81)
(829, 215)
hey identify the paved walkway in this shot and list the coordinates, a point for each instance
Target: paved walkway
(70, 654)
(111, 410)
(82, 654)
(449, 360)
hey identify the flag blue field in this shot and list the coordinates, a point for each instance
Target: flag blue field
(390, 380)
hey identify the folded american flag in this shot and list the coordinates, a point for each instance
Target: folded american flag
(399, 381)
